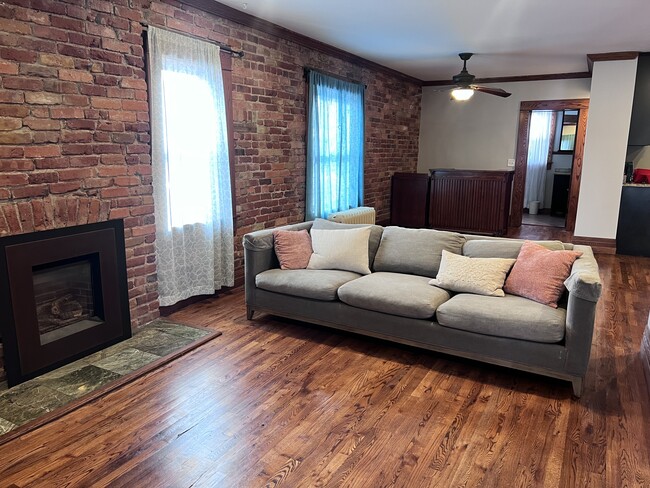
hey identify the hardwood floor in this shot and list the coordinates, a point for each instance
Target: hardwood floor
(540, 232)
(274, 402)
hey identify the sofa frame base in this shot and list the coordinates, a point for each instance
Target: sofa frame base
(576, 381)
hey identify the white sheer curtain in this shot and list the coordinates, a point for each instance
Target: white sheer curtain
(539, 138)
(191, 172)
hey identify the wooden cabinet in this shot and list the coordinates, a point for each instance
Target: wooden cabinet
(633, 233)
(409, 199)
(470, 201)
(560, 195)
(475, 202)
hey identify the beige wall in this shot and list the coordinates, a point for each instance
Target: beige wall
(608, 126)
(481, 133)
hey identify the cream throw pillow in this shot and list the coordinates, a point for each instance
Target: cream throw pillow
(483, 276)
(344, 249)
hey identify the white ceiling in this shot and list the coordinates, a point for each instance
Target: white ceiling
(422, 38)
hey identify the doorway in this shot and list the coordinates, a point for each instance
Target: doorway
(552, 133)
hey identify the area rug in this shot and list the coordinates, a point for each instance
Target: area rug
(52, 395)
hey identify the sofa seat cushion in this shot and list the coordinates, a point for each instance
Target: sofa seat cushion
(509, 316)
(394, 293)
(319, 284)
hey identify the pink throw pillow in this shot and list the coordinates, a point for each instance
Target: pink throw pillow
(539, 273)
(293, 248)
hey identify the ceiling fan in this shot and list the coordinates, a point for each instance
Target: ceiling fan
(464, 89)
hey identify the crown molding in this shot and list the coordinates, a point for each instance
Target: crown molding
(617, 56)
(248, 20)
(508, 79)
(569, 104)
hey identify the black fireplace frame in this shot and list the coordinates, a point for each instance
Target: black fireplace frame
(25, 356)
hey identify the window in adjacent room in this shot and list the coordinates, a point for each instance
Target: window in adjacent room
(335, 136)
(568, 134)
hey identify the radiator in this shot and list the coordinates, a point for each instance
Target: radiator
(359, 215)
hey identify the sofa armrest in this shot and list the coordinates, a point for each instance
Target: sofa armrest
(584, 280)
(581, 315)
(584, 291)
(259, 256)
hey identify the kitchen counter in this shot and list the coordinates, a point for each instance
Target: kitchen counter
(637, 185)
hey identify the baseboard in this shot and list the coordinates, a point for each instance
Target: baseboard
(598, 244)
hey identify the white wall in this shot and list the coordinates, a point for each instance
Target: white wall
(639, 155)
(482, 132)
(608, 126)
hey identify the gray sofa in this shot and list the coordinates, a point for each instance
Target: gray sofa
(395, 302)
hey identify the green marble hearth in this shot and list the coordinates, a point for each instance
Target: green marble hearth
(147, 348)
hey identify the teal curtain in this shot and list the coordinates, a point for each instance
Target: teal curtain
(334, 146)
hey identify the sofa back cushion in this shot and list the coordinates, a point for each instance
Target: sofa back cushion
(373, 242)
(415, 251)
(502, 248)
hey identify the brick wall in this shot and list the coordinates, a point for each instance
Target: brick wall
(269, 109)
(74, 124)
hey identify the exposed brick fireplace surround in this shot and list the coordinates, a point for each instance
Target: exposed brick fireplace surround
(74, 124)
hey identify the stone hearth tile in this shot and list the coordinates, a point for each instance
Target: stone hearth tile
(177, 329)
(82, 381)
(62, 371)
(26, 401)
(47, 392)
(6, 426)
(126, 361)
(158, 343)
(109, 351)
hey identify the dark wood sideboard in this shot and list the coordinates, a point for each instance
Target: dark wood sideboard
(471, 201)
(409, 202)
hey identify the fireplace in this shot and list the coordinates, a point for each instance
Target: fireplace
(63, 295)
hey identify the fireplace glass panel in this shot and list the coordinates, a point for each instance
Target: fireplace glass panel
(66, 299)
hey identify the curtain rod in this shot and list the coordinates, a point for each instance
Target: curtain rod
(225, 47)
(307, 69)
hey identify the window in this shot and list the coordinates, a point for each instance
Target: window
(568, 134)
(191, 167)
(189, 147)
(335, 138)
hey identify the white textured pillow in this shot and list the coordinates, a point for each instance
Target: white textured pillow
(483, 276)
(345, 249)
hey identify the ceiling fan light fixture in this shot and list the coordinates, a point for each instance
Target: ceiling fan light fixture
(462, 94)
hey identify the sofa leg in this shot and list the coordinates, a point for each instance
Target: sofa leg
(577, 387)
(249, 313)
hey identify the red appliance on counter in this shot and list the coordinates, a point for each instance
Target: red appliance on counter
(641, 176)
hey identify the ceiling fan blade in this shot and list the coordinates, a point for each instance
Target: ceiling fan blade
(491, 91)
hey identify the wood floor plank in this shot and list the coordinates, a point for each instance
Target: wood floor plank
(275, 402)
